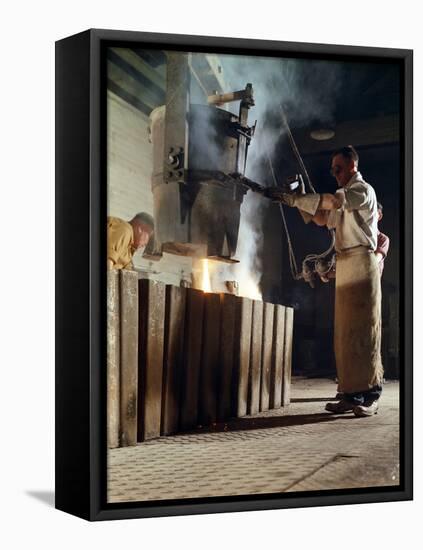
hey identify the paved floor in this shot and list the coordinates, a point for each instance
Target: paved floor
(299, 448)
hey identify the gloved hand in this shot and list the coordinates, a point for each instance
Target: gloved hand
(305, 215)
(277, 195)
(274, 193)
(283, 192)
(289, 199)
(307, 203)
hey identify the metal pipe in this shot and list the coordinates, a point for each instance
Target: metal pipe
(219, 99)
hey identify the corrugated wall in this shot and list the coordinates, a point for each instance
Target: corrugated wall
(129, 169)
(129, 159)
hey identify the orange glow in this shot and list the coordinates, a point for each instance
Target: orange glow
(205, 283)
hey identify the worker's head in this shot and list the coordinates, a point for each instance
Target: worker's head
(344, 164)
(379, 211)
(143, 226)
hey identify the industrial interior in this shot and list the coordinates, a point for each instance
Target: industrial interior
(364, 111)
(195, 139)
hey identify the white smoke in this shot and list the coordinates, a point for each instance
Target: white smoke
(248, 271)
(306, 90)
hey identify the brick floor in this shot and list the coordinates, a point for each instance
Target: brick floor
(299, 448)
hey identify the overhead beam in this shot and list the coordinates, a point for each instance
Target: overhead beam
(208, 69)
(134, 60)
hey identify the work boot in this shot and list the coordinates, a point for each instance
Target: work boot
(341, 407)
(369, 408)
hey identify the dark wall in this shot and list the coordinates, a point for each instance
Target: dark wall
(314, 308)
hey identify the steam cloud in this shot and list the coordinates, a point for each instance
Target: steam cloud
(307, 90)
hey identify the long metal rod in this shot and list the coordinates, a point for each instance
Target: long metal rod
(292, 261)
(304, 169)
(295, 148)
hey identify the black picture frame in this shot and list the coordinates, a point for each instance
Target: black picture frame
(81, 281)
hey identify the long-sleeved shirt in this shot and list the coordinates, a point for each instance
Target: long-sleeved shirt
(356, 220)
(120, 243)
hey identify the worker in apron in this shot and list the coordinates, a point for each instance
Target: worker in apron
(353, 212)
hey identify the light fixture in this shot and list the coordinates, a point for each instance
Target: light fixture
(322, 134)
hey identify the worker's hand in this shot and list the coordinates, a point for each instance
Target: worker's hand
(289, 199)
(274, 193)
(277, 195)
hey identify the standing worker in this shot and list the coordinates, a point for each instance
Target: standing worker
(352, 211)
(125, 238)
(381, 252)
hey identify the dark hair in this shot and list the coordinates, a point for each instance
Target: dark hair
(145, 219)
(379, 206)
(347, 152)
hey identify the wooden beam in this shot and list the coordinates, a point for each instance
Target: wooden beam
(135, 61)
(287, 363)
(113, 359)
(209, 360)
(276, 372)
(266, 356)
(172, 362)
(152, 313)
(128, 356)
(209, 72)
(192, 358)
(255, 358)
(242, 342)
(133, 87)
(155, 58)
(216, 72)
(225, 404)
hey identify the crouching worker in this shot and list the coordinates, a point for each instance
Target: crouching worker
(352, 211)
(125, 238)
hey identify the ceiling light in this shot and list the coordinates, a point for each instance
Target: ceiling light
(322, 134)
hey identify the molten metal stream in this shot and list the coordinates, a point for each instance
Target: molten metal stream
(205, 284)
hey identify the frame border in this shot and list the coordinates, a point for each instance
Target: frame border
(81, 456)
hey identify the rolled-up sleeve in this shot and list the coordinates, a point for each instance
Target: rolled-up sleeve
(334, 215)
(357, 197)
(332, 219)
